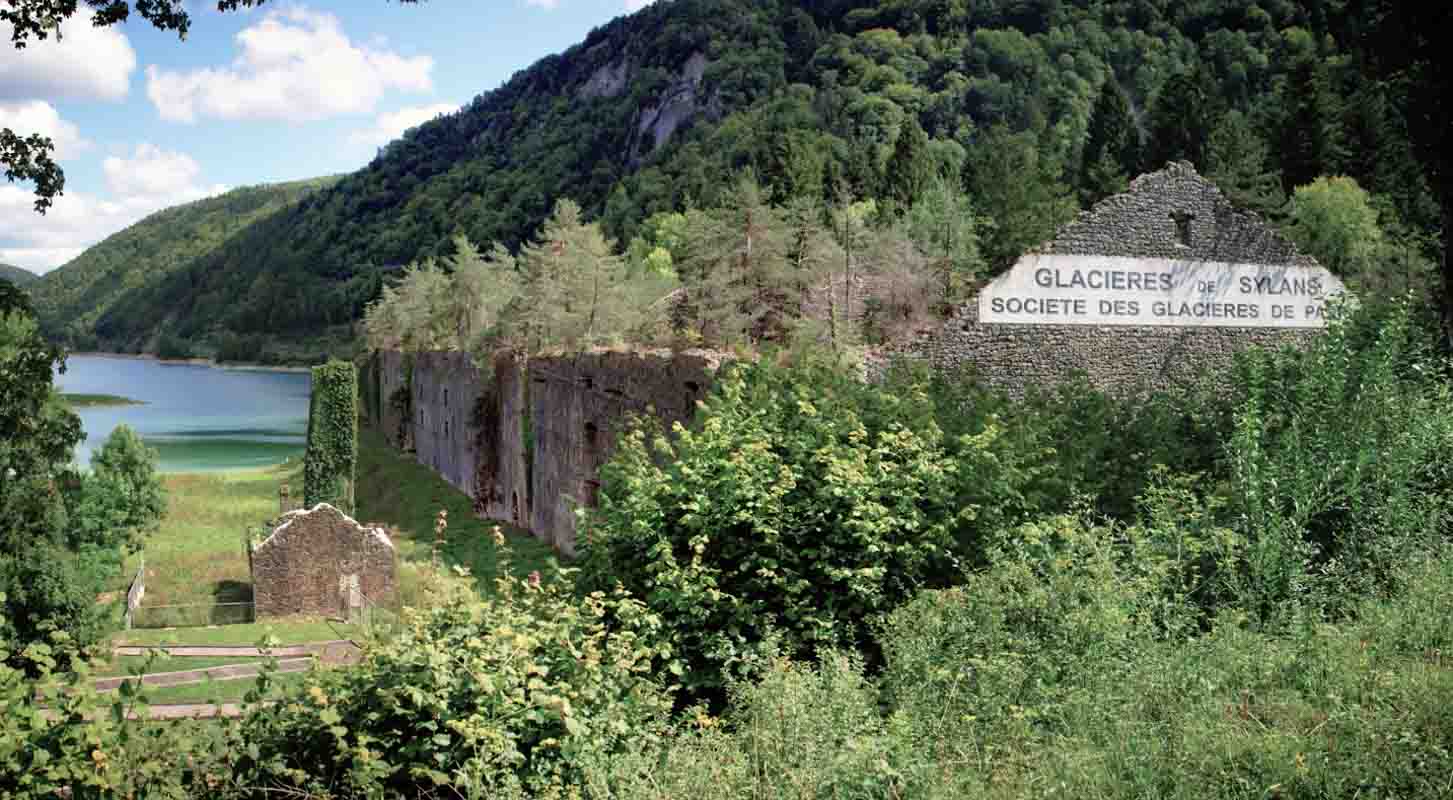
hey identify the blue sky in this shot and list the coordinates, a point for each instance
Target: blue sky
(290, 90)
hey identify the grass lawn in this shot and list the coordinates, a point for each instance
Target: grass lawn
(126, 665)
(395, 490)
(289, 631)
(196, 557)
(217, 691)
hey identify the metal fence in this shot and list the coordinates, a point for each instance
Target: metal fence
(378, 621)
(191, 615)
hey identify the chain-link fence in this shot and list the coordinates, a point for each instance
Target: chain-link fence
(378, 621)
(191, 615)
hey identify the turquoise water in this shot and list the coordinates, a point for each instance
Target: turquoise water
(199, 418)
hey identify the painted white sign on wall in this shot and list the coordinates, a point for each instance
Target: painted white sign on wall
(1112, 290)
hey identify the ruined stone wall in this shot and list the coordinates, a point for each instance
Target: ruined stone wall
(321, 562)
(446, 390)
(507, 496)
(393, 377)
(1170, 214)
(579, 405)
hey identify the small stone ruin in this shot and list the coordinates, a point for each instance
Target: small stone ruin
(320, 562)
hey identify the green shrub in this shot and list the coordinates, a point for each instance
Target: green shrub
(1062, 604)
(799, 730)
(476, 698)
(332, 448)
(802, 504)
(82, 745)
(1337, 467)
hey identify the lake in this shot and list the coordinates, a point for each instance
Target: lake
(198, 418)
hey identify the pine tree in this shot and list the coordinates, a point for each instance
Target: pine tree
(1180, 118)
(1112, 146)
(943, 227)
(910, 167)
(1238, 162)
(1311, 134)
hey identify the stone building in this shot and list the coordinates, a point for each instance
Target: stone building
(1151, 288)
(320, 562)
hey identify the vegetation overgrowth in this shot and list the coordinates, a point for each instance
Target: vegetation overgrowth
(916, 588)
(332, 450)
(63, 532)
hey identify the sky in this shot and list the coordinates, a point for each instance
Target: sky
(143, 120)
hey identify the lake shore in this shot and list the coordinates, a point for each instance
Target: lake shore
(195, 362)
(98, 400)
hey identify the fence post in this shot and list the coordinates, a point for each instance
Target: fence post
(136, 592)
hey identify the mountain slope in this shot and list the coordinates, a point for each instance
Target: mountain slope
(660, 109)
(20, 277)
(70, 299)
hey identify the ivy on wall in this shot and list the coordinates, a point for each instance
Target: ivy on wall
(332, 436)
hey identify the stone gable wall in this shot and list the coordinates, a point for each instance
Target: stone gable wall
(1122, 359)
(309, 561)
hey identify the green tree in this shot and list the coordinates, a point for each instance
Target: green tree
(1334, 220)
(1238, 162)
(734, 264)
(122, 499)
(1019, 186)
(1112, 146)
(1310, 114)
(911, 166)
(943, 226)
(1406, 44)
(1179, 120)
(62, 533)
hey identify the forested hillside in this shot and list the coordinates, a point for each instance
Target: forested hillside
(16, 275)
(1031, 108)
(72, 299)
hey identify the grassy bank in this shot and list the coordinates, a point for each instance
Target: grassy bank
(98, 400)
(396, 491)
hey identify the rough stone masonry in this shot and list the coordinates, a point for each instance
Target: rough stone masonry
(321, 562)
(1149, 289)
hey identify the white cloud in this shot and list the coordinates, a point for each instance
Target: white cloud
(391, 125)
(545, 4)
(148, 181)
(85, 63)
(294, 65)
(149, 172)
(633, 6)
(38, 116)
